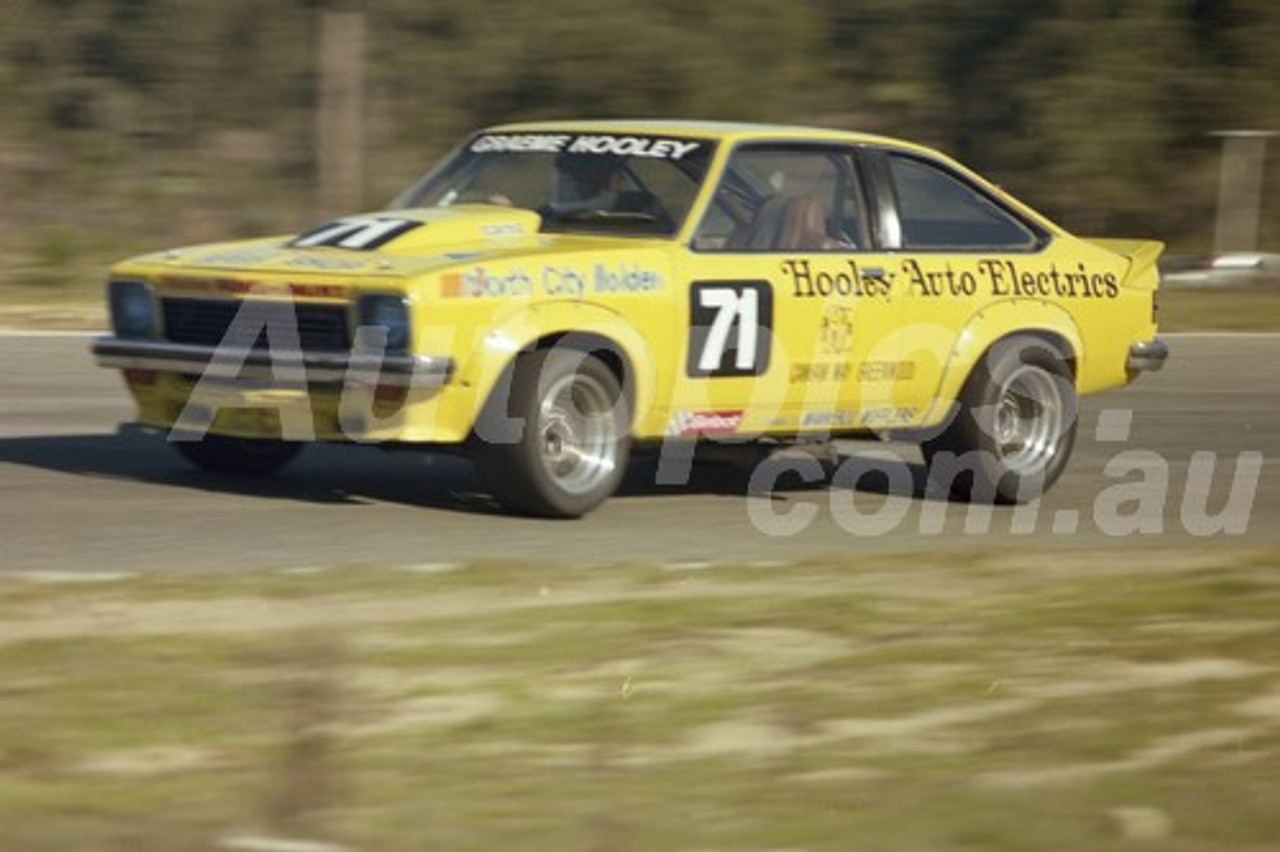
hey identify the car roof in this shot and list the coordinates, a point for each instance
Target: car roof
(721, 130)
(733, 133)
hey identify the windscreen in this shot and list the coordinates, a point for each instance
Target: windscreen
(628, 185)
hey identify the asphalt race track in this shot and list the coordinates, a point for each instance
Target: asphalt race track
(76, 495)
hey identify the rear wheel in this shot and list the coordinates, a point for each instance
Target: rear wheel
(1013, 428)
(569, 450)
(244, 456)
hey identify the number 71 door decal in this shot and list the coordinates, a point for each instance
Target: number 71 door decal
(730, 328)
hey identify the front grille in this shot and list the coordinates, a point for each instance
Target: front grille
(205, 322)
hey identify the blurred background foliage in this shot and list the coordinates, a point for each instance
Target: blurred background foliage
(133, 124)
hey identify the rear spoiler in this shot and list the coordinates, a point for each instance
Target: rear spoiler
(1141, 254)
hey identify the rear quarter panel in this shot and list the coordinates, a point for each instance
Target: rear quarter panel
(955, 307)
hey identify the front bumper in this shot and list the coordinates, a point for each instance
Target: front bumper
(278, 368)
(1147, 355)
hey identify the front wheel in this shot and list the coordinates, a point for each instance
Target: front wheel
(1013, 426)
(569, 442)
(244, 456)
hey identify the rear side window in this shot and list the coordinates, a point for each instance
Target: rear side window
(939, 210)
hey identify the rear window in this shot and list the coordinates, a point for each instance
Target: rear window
(940, 210)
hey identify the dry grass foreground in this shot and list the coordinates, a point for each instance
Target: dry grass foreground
(976, 701)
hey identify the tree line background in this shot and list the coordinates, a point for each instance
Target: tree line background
(133, 124)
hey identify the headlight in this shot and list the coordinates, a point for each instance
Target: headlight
(390, 313)
(133, 309)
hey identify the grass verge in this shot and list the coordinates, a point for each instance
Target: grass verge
(1253, 307)
(1073, 701)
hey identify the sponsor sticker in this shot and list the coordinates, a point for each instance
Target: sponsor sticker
(888, 416)
(237, 256)
(887, 371)
(503, 230)
(626, 278)
(867, 418)
(555, 281)
(835, 335)
(240, 287)
(846, 279)
(830, 419)
(327, 263)
(824, 371)
(1002, 277)
(685, 424)
(479, 283)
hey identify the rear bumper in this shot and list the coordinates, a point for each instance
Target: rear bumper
(300, 368)
(1147, 355)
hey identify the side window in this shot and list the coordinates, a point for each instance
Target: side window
(939, 210)
(785, 198)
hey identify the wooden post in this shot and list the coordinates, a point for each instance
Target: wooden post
(1240, 190)
(340, 111)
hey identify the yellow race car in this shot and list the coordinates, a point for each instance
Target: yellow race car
(553, 295)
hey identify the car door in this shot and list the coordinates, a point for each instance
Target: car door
(785, 299)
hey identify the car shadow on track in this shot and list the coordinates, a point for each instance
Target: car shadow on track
(322, 474)
(333, 475)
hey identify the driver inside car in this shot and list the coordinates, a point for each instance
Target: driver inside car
(588, 183)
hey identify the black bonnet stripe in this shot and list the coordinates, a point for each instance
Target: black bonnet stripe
(364, 233)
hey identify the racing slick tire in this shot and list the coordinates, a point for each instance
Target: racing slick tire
(242, 456)
(1013, 427)
(571, 443)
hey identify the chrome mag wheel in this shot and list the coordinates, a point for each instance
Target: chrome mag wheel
(570, 451)
(578, 433)
(1029, 420)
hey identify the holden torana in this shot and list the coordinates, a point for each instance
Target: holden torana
(552, 296)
